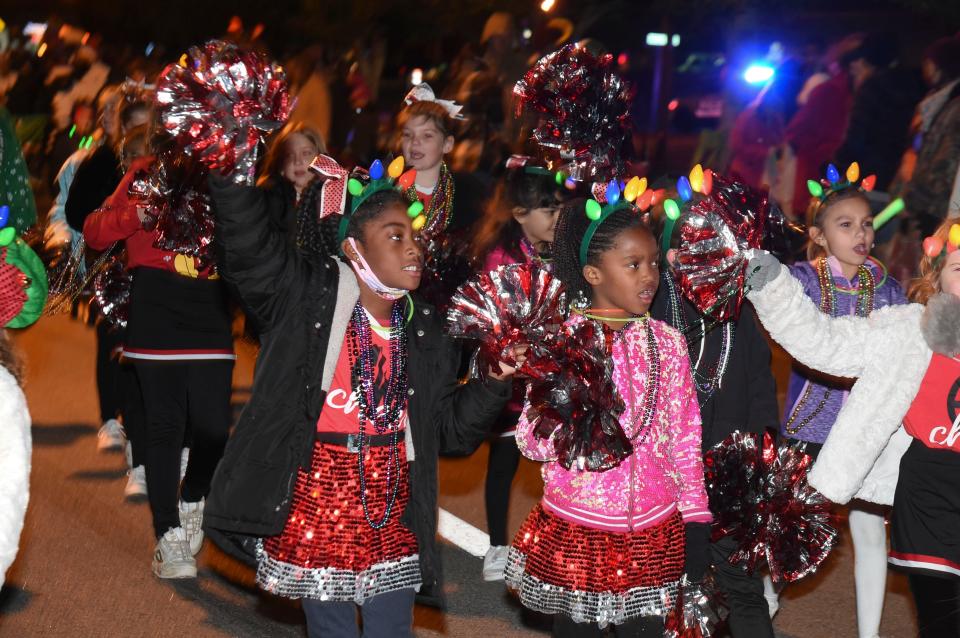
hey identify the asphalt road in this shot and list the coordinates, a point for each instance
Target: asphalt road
(84, 563)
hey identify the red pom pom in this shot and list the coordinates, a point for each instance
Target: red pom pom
(716, 232)
(111, 288)
(583, 111)
(220, 103)
(760, 495)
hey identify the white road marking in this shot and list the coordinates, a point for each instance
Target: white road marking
(462, 534)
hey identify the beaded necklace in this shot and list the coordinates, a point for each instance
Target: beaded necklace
(828, 305)
(652, 389)
(707, 383)
(385, 417)
(441, 204)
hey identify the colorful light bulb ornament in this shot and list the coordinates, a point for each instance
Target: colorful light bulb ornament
(833, 183)
(699, 181)
(394, 178)
(615, 200)
(833, 174)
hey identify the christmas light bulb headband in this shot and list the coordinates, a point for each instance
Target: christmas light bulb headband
(516, 162)
(937, 249)
(833, 183)
(699, 181)
(394, 178)
(633, 195)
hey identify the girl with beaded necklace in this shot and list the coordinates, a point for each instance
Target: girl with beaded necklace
(608, 547)
(518, 228)
(333, 464)
(843, 280)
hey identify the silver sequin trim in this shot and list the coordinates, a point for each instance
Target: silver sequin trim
(603, 608)
(341, 585)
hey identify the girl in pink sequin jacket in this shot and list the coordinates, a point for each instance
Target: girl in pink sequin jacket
(664, 473)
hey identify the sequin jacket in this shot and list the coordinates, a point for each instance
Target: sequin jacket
(831, 392)
(664, 473)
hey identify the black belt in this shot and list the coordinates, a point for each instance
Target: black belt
(352, 441)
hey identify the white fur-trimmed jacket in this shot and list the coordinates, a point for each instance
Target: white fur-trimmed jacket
(15, 446)
(887, 354)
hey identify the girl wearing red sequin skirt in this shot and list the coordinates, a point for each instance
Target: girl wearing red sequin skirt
(334, 462)
(608, 547)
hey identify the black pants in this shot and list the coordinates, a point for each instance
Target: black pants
(388, 615)
(134, 418)
(174, 393)
(938, 605)
(501, 468)
(642, 627)
(109, 375)
(749, 612)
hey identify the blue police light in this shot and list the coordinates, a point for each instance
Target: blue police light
(758, 73)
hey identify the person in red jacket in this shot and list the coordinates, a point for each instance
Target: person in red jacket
(180, 341)
(817, 130)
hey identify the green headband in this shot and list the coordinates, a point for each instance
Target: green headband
(393, 179)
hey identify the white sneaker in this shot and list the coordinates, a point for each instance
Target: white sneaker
(136, 483)
(494, 562)
(184, 459)
(191, 519)
(172, 558)
(110, 438)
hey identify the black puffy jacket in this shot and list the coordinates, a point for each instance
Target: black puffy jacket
(292, 300)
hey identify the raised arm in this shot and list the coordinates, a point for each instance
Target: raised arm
(253, 258)
(835, 346)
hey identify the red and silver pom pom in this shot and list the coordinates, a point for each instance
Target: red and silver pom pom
(573, 399)
(583, 111)
(697, 611)
(760, 495)
(173, 192)
(716, 233)
(111, 288)
(518, 304)
(219, 101)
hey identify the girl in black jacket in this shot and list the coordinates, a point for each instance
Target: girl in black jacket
(736, 391)
(334, 462)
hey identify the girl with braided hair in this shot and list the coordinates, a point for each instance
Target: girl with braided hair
(607, 544)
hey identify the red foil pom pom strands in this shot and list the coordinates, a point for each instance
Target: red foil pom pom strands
(583, 112)
(517, 304)
(219, 101)
(718, 231)
(760, 495)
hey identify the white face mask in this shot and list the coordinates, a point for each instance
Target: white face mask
(367, 276)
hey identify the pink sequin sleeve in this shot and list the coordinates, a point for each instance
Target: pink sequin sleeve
(683, 415)
(530, 446)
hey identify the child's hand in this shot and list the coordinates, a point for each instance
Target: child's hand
(506, 370)
(762, 269)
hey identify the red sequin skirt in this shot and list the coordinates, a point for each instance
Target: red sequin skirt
(592, 575)
(328, 550)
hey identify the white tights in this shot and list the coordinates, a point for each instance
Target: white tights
(869, 534)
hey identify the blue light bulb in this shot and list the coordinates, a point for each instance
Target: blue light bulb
(684, 189)
(376, 170)
(833, 174)
(613, 192)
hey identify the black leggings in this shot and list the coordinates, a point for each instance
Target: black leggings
(174, 393)
(109, 375)
(938, 605)
(642, 627)
(134, 419)
(501, 468)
